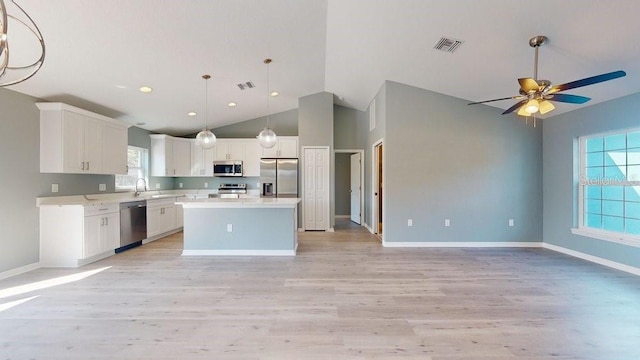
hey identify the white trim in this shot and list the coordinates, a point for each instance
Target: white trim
(619, 238)
(330, 230)
(374, 185)
(368, 227)
(529, 244)
(362, 176)
(19, 270)
(595, 259)
(343, 216)
(372, 115)
(238, 252)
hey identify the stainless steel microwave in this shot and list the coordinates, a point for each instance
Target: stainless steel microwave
(227, 168)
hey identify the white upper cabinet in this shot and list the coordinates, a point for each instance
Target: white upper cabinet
(286, 147)
(170, 156)
(230, 149)
(251, 162)
(77, 141)
(202, 160)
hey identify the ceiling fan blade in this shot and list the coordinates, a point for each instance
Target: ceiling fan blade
(507, 98)
(587, 81)
(566, 98)
(517, 105)
(545, 106)
(528, 85)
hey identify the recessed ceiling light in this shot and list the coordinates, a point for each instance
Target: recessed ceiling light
(146, 89)
(141, 123)
(232, 104)
(192, 113)
(274, 93)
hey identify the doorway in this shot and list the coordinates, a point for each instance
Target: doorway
(377, 189)
(349, 186)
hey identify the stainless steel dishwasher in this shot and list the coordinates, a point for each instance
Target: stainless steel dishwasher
(133, 224)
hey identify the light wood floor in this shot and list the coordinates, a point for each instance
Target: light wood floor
(343, 297)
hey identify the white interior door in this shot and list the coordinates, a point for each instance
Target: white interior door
(355, 188)
(316, 189)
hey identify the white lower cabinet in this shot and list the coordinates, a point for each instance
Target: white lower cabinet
(75, 235)
(161, 216)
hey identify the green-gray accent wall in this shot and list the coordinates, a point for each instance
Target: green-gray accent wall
(444, 160)
(561, 175)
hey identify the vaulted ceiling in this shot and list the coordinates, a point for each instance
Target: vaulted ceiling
(100, 52)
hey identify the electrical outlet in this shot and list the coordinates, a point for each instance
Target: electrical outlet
(447, 222)
(229, 227)
(157, 185)
(54, 188)
(102, 187)
(180, 185)
(410, 222)
(206, 185)
(511, 222)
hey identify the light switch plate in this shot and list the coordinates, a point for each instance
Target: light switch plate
(102, 187)
(511, 222)
(447, 222)
(206, 185)
(180, 185)
(54, 188)
(157, 185)
(410, 222)
(229, 227)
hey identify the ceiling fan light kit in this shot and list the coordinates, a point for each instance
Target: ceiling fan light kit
(536, 96)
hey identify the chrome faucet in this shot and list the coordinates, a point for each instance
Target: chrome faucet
(137, 193)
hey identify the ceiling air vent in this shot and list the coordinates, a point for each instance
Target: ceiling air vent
(448, 45)
(246, 85)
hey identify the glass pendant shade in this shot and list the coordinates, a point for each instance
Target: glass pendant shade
(206, 139)
(267, 138)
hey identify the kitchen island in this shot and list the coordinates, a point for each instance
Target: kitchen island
(245, 226)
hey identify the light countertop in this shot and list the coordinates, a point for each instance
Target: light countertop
(257, 202)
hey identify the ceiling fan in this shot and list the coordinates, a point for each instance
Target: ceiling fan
(537, 95)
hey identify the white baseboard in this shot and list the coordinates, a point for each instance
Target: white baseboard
(238, 253)
(330, 230)
(19, 270)
(595, 259)
(343, 216)
(532, 244)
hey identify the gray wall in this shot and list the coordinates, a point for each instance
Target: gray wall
(283, 124)
(23, 183)
(343, 184)
(444, 159)
(140, 138)
(370, 138)
(315, 128)
(561, 178)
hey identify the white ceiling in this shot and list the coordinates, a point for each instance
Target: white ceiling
(346, 47)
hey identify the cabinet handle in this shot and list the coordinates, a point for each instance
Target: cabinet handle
(174, 171)
(101, 221)
(87, 165)
(82, 165)
(106, 221)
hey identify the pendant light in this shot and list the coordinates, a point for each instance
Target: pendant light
(205, 138)
(17, 73)
(267, 137)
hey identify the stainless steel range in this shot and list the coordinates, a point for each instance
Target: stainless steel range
(232, 191)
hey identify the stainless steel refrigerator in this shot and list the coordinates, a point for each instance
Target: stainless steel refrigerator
(279, 177)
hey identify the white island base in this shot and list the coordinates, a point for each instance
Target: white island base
(252, 226)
